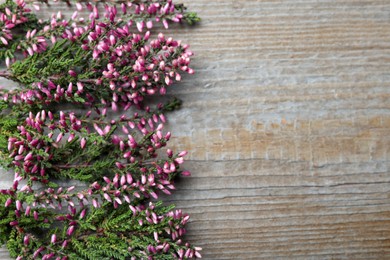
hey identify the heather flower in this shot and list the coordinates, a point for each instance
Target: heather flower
(108, 65)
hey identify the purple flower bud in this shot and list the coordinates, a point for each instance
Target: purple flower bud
(79, 6)
(186, 173)
(64, 244)
(95, 203)
(14, 223)
(98, 129)
(70, 231)
(107, 129)
(107, 180)
(123, 180)
(112, 39)
(116, 180)
(179, 160)
(53, 238)
(8, 202)
(188, 253)
(151, 178)
(59, 137)
(127, 199)
(114, 106)
(62, 115)
(50, 114)
(178, 77)
(83, 142)
(183, 153)
(71, 137)
(153, 194)
(19, 157)
(17, 213)
(80, 87)
(129, 178)
(123, 7)
(60, 218)
(140, 26)
(15, 184)
(149, 24)
(197, 254)
(28, 157)
(18, 205)
(82, 214)
(37, 252)
(107, 197)
(166, 248)
(119, 165)
(180, 252)
(26, 240)
(27, 211)
(165, 23)
(5, 42)
(72, 73)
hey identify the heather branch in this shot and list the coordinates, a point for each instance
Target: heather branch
(100, 65)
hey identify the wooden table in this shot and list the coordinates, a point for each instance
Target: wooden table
(287, 122)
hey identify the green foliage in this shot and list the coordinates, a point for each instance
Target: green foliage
(57, 60)
(11, 48)
(5, 218)
(7, 129)
(13, 244)
(192, 18)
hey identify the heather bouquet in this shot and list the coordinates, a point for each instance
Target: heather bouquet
(83, 137)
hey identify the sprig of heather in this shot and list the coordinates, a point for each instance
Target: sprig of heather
(92, 233)
(45, 146)
(22, 32)
(143, 13)
(105, 64)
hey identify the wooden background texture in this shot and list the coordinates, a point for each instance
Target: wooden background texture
(287, 122)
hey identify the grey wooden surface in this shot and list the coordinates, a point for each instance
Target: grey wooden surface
(287, 122)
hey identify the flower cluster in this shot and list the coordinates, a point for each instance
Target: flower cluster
(109, 140)
(123, 66)
(21, 31)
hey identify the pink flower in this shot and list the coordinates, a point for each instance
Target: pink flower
(27, 211)
(64, 244)
(179, 160)
(95, 203)
(14, 223)
(140, 26)
(82, 214)
(79, 6)
(53, 238)
(70, 231)
(26, 240)
(107, 197)
(3, 40)
(18, 205)
(165, 23)
(83, 142)
(8, 202)
(186, 173)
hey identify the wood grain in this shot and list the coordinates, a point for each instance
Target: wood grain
(287, 122)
